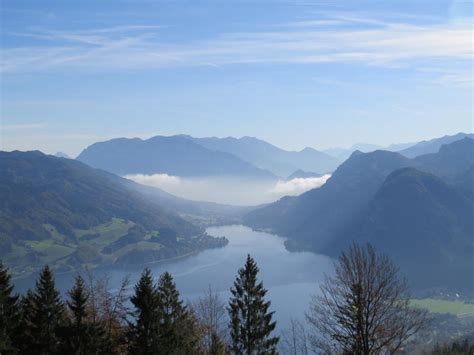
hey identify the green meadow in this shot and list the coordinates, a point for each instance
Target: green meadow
(457, 308)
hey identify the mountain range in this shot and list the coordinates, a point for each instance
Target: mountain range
(246, 157)
(433, 145)
(343, 153)
(417, 208)
(65, 213)
(187, 156)
(419, 211)
(410, 150)
(269, 157)
(175, 155)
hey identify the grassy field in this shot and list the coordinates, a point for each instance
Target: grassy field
(84, 247)
(456, 308)
(50, 249)
(58, 246)
(107, 233)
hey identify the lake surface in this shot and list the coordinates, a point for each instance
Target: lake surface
(291, 278)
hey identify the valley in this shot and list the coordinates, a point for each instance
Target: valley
(84, 220)
(236, 177)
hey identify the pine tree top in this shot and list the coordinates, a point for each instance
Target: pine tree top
(46, 294)
(6, 287)
(78, 300)
(145, 295)
(251, 324)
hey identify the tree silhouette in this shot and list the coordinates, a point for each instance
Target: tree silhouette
(83, 335)
(177, 323)
(251, 324)
(364, 308)
(145, 330)
(44, 315)
(9, 312)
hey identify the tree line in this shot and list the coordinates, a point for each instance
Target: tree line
(361, 309)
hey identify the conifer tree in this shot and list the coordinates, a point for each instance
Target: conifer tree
(251, 324)
(83, 336)
(145, 331)
(77, 303)
(9, 312)
(44, 315)
(177, 330)
(25, 339)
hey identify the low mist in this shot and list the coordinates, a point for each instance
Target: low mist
(229, 190)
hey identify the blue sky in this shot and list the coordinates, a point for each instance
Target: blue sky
(296, 73)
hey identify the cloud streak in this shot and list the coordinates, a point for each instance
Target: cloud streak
(22, 126)
(338, 38)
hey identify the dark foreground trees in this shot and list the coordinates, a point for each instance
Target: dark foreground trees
(364, 308)
(163, 324)
(83, 334)
(179, 333)
(43, 316)
(9, 312)
(145, 330)
(251, 323)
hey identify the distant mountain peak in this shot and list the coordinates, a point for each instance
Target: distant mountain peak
(177, 155)
(433, 145)
(355, 153)
(269, 157)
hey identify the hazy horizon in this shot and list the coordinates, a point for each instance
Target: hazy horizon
(355, 145)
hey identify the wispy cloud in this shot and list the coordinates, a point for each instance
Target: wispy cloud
(340, 38)
(23, 126)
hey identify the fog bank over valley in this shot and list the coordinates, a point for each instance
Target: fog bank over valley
(229, 190)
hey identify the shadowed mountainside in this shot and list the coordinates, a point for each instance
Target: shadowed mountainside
(62, 212)
(175, 155)
(269, 157)
(395, 202)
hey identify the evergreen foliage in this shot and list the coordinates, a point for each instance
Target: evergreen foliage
(83, 336)
(9, 312)
(174, 319)
(251, 324)
(44, 315)
(145, 331)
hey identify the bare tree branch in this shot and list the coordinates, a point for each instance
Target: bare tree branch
(364, 308)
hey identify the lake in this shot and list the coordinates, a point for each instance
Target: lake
(291, 278)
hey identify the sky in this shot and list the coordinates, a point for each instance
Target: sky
(321, 73)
